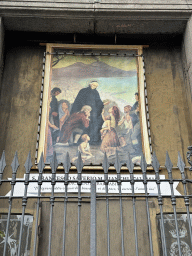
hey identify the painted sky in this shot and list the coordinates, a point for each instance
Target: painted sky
(124, 63)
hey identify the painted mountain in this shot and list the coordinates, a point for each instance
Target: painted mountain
(96, 69)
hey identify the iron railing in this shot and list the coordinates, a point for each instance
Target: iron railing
(127, 186)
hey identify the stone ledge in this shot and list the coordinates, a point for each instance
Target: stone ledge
(100, 5)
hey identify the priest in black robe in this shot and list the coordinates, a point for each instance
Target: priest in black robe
(90, 96)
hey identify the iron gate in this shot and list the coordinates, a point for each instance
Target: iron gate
(114, 191)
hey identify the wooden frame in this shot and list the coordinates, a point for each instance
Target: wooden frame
(50, 48)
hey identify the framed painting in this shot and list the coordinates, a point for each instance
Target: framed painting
(94, 102)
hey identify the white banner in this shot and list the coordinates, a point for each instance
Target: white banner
(72, 187)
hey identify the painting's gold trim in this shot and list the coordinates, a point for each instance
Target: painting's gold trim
(144, 128)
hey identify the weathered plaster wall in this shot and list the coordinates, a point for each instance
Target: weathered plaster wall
(20, 97)
(1, 47)
(186, 62)
(115, 231)
(168, 108)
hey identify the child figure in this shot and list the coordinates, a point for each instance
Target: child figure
(84, 148)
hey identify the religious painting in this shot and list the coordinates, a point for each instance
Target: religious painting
(93, 105)
(184, 226)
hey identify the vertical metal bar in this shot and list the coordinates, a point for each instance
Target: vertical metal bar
(108, 222)
(132, 181)
(121, 217)
(162, 227)
(8, 220)
(54, 165)
(28, 166)
(14, 165)
(27, 239)
(51, 219)
(67, 166)
(65, 216)
(40, 167)
(36, 223)
(181, 167)
(24, 203)
(105, 167)
(79, 171)
(144, 167)
(134, 213)
(156, 166)
(93, 243)
(78, 222)
(2, 166)
(169, 166)
(118, 170)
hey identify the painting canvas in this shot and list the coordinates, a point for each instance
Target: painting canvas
(93, 107)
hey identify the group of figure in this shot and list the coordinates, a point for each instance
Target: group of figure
(85, 123)
(124, 133)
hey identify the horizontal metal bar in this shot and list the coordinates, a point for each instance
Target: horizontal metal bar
(48, 197)
(99, 196)
(103, 180)
(142, 196)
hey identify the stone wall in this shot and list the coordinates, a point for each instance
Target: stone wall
(1, 48)
(20, 101)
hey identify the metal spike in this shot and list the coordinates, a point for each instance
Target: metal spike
(155, 163)
(117, 163)
(41, 164)
(105, 164)
(28, 163)
(79, 163)
(180, 163)
(2, 163)
(106, 168)
(67, 163)
(54, 163)
(15, 163)
(143, 163)
(130, 164)
(168, 163)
